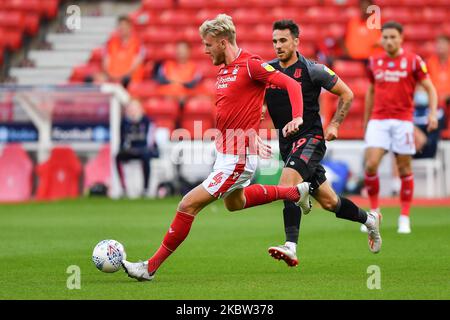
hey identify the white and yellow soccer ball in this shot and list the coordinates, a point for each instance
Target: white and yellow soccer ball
(108, 255)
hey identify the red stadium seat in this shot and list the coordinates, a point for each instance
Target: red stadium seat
(419, 32)
(80, 73)
(164, 123)
(97, 55)
(13, 20)
(248, 16)
(162, 107)
(59, 175)
(173, 17)
(156, 52)
(304, 3)
(349, 69)
(49, 8)
(198, 116)
(143, 90)
(11, 39)
(98, 169)
(359, 86)
(197, 125)
(157, 5)
(193, 4)
(199, 106)
(16, 170)
(160, 34)
(31, 21)
(207, 68)
(205, 14)
(23, 5)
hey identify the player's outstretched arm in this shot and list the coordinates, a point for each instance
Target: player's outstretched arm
(294, 90)
(432, 97)
(345, 101)
(264, 72)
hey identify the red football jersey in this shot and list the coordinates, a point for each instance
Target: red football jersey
(240, 89)
(394, 82)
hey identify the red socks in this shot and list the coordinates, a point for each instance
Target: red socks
(257, 194)
(372, 183)
(178, 231)
(406, 194)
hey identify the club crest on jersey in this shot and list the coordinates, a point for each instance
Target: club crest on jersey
(235, 70)
(268, 67)
(404, 63)
(330, 72)
(298, 73)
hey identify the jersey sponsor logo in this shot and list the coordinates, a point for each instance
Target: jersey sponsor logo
(217, 179)
(298, 73)
(268, 67)
(222, 82)
(330, 72)
(390, 76)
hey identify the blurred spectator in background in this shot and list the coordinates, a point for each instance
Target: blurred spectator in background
(124, 55)
(358, 43)
(181, 76)
(137, 141)
(439, 65)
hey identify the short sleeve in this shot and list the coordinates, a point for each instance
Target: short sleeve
(259, 70)
(420, 70)
(323, 76)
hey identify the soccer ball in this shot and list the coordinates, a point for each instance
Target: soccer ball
(107, 255)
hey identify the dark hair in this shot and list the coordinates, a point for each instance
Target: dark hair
(443, 37)
(287, 24)
(123, 18)
(392, 25)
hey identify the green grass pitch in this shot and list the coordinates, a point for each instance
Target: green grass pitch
(224, 257)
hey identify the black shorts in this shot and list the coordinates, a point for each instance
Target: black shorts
(304, 156)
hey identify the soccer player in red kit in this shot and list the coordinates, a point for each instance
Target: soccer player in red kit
(241, 84)
(388, 115)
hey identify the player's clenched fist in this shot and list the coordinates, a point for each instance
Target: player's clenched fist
(331, 133)
(292, 126)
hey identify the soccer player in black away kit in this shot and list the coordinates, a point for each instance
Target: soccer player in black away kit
(303, 150)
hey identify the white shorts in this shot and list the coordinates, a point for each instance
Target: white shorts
(392, 135)
(230, 172)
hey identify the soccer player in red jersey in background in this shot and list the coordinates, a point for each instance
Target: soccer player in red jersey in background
(388, 115)
(241, 85)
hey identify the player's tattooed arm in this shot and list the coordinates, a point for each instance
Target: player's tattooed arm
(345, 101)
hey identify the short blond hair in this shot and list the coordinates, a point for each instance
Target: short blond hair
(220, 27)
